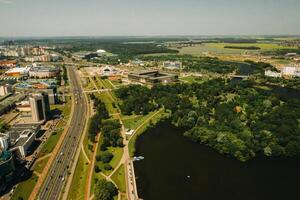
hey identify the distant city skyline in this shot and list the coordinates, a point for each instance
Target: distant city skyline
(43, 18)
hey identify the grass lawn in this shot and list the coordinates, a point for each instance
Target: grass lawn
(50, 143)
(134, 121)
(116, 151)
(193, 79)
(25, 188)
(77, 188)
(40, 165)
(123, 197)
(107, 84)
(116, 83)
(64, 108)
(108, 100)
(119, 178)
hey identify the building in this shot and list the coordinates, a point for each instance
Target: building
(43, 72)
(24, 142)
(23, 106)
(8, 63)
(38, 108)
(291, 71)
(152, 77)
(172, 65)
(21, 138)
(18, 71)
(109, 71)
(270, 73)
(4, 141)
(5, 89)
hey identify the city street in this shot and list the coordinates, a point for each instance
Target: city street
(58, 173)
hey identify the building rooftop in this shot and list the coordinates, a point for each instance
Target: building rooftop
(44, 69)
(4, 155)
(21, 70)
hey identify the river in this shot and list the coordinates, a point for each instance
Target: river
(176, 168)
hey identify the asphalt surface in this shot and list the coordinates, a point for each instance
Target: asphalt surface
(53, 185)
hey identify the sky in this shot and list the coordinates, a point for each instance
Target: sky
(148, 17)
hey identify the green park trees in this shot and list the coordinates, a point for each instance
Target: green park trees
(105, 190)
(235, 118)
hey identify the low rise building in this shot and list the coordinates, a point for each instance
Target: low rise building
(18, 71)
(5, 89)
(152, 77)
(8, 63)
(43, 72)
(21, 138)
(172, 65)
(293, 71)
(270, 73)
(23, 106)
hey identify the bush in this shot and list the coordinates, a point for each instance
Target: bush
(97, 169)
(98, 158)
(106, 157)
(107, 167)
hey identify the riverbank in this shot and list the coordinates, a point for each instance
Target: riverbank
(151, 121)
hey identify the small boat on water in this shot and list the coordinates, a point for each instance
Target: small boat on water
(138, 158)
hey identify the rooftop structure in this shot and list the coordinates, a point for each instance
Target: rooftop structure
(8, 63)
(152, 77)
(5, 89)
(270, 73)
(291, 71)
(43, 72)
(18, 71)
(172, 65)
(20, 138)
(36, 84)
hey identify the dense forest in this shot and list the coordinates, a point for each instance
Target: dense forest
(235, 118)
(242, 47)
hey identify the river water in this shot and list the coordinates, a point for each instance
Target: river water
(176, 168)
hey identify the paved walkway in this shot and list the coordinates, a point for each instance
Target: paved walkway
(84, 154)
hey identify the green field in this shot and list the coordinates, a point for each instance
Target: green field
(134, 121)
(116, 151)
(64, 108)
(50, 143)
(119, 178)
(218, 48)
(25, 188)
(77, 188)
(193, 79)
(40, 165)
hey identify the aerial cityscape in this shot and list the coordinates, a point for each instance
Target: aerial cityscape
(149, 100)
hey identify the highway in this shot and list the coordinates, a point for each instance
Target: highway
(56, 178)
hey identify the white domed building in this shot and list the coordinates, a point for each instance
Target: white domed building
(100, 52)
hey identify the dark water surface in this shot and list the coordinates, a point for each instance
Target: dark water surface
(170, 158)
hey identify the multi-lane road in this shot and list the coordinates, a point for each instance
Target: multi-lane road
(55, 181)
